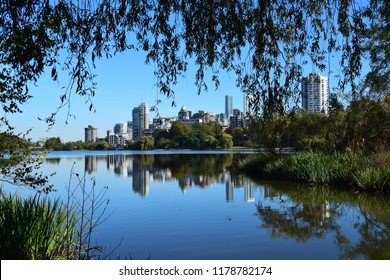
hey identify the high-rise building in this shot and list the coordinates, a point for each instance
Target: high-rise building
(119, 128)
(315, 95)
(140, 121)
(130, 130)
(228, 105)
(247, 100)
(90, 134)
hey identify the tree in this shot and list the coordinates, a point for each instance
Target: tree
(226, 141)
(53, 143)
(102, 145)
(178, 133)
(145, 143)
(18, 165)
(377, 37)
(238, 135)
(273, 39)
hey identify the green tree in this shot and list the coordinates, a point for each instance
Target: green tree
(226, 141)
(368, 124)
(276, 37)
(53, 143)
(238, 135)
(102, 146)
(19, 165)
(145, 143)
(179, 133)
(376, 43)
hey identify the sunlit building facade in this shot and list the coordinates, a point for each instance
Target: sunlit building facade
(315, 93)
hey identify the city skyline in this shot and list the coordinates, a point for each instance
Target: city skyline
(120, 87)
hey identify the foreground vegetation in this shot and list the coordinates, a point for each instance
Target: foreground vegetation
(39, 227)
(369, 173)
(36, 228)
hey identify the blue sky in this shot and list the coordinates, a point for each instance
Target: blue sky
(123, 82)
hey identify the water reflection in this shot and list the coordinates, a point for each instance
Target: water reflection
(345, 224)
(304, 213)
(90, 164)
(199, 170)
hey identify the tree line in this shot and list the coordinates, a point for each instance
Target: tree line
(364, 125)
(180, 136)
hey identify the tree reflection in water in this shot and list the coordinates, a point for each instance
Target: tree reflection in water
(201, 170)
(303, 213)
(357, 223)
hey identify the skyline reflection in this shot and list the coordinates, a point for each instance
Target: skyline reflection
(196, 170)
(281, 220)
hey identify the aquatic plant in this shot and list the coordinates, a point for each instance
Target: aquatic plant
(36, 227)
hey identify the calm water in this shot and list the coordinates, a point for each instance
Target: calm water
(194, 206)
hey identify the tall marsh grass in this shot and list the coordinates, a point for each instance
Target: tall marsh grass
(36, 228)
(377, 179)
(39, 227)
(351, 169)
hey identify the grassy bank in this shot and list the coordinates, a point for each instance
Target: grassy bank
(370, 173)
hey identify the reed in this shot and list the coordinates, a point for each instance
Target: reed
(39, 227)
(35, 228)
(377, 179)
(349, 169)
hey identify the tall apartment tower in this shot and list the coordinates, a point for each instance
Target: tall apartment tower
(228, 105)
(315, 93)
(90, 134)
(247, 100)
(140, 121)
(119, 128)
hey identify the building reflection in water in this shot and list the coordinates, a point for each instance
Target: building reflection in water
(249, 192)
(140, 178)
(229, 191)
(144, 169)
(122, 165)
(90, 164)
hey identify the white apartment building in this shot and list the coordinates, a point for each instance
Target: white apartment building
(315, 93)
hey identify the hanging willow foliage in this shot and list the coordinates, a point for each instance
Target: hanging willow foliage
(264, 43)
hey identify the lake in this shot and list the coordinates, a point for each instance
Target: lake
(194, 205)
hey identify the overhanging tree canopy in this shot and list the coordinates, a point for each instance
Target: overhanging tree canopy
(265, 43)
